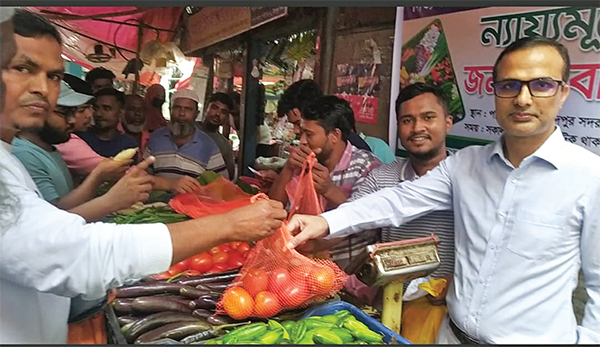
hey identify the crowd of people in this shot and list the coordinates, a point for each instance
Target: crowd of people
(512, 239)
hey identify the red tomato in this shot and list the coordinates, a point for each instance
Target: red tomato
(321, 280)
(235, 260)
(162, 276)
(201, 262)
(217, 268)
(255, 281)
(214, 250)
(225, 248)
(278, 280)
(179, 267)
(192, 273)
(266, 305)
(302, 272)
(220, 258)
(243, 247)
(295, 293)
(238, 304)
(235, 244)
(245, 255)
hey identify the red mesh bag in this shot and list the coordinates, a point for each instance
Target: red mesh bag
(301, 191)
(274, 277)
(220, 196)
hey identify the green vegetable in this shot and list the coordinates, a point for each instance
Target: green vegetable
(298, 331)
(342, 314)
(317, 322)
(288, 325)
(343, 334)
(215, 341)
(274, 325)
(325, 337)
(307, 339)
(271, 337)
(245, 334)
(368, 336)
(330, 318)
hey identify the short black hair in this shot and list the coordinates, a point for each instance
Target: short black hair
(298, 95)
(120, 96)
(330, 112)
(29, 24)
(419, 88)
(78, 85)
(98, 73)
(536, 41)
(222, 98)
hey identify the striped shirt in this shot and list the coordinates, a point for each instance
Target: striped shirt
(200, 154)
(350, 171)
(439, 222)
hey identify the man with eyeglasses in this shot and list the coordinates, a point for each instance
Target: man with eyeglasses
(35, 149)
(526, 211)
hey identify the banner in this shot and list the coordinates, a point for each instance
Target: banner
(359, 85)
(457, 52)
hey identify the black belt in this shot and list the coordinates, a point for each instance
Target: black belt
(463, 337)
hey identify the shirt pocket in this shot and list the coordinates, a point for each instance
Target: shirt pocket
(536, 235)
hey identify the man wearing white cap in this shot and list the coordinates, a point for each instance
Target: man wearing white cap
(182, 152)
(35, 149)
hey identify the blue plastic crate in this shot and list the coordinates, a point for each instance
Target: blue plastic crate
(373, 324)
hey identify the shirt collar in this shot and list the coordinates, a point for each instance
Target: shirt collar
(550, 151)
(345, 159)
(6, 146)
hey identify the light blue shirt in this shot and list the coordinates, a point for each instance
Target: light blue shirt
(521, 236)
(380, 148)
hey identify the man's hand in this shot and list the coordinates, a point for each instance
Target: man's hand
(298, 156)
(184, 184)
(109, 169)
(134, 187)
(266, 179)
(321, 179)
(255, 221)
(306, 228)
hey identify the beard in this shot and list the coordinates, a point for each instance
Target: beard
(426, 155)
(324, 155)
(132, 128)
(182, 129)
(53, 136)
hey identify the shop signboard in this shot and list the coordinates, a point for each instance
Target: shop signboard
(457, 51)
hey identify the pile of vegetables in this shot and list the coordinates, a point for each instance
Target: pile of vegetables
(224, 257)
(180, 309)
(334, 329)
(151, 215)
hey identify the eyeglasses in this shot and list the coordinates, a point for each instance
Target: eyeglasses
(65, 113)
(539, 87)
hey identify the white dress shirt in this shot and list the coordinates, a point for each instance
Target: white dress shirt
(49, 255)
(521, 236)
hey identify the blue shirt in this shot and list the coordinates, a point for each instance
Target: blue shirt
(109, 148)
(200, 154)
(48, 169)
(521, 237)
(381, 149)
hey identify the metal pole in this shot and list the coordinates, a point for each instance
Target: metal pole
(137, 57)
(327, 43)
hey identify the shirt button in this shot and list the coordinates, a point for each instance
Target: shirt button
(502, 214)
(481, 280)
(492, 247)
(514, 180)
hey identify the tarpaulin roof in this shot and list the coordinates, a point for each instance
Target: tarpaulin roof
(84, 27)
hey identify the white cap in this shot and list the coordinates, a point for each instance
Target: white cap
(69, 97)
(185, 94)
(6, 13)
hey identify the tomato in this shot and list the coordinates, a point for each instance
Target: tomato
(214, 250)
(225, 248)
(220, 258)
(235, 244)
(295, 293)
(238, 304)
(243, 247)
(162, 276)
(245, 255)
(302, 272)
(278, 280)
(266, 305)
(235, 260)
(179, 267)
(217, 268)
(192, 273)
(255, 281)
(201, 262)
(321, 280)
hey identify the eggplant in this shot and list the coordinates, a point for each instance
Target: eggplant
(194, 293)
(213, 287)
(204, 302)
(206, 275)
(148, 289)
(156, 320)
(214, 279)
(202, 313)
(123, 320)
(201, 336)
(217, 320)
(176, 331)
(152, 304)
(123, 306)
(177, 298)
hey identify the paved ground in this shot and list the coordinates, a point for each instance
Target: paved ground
(579, 299)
